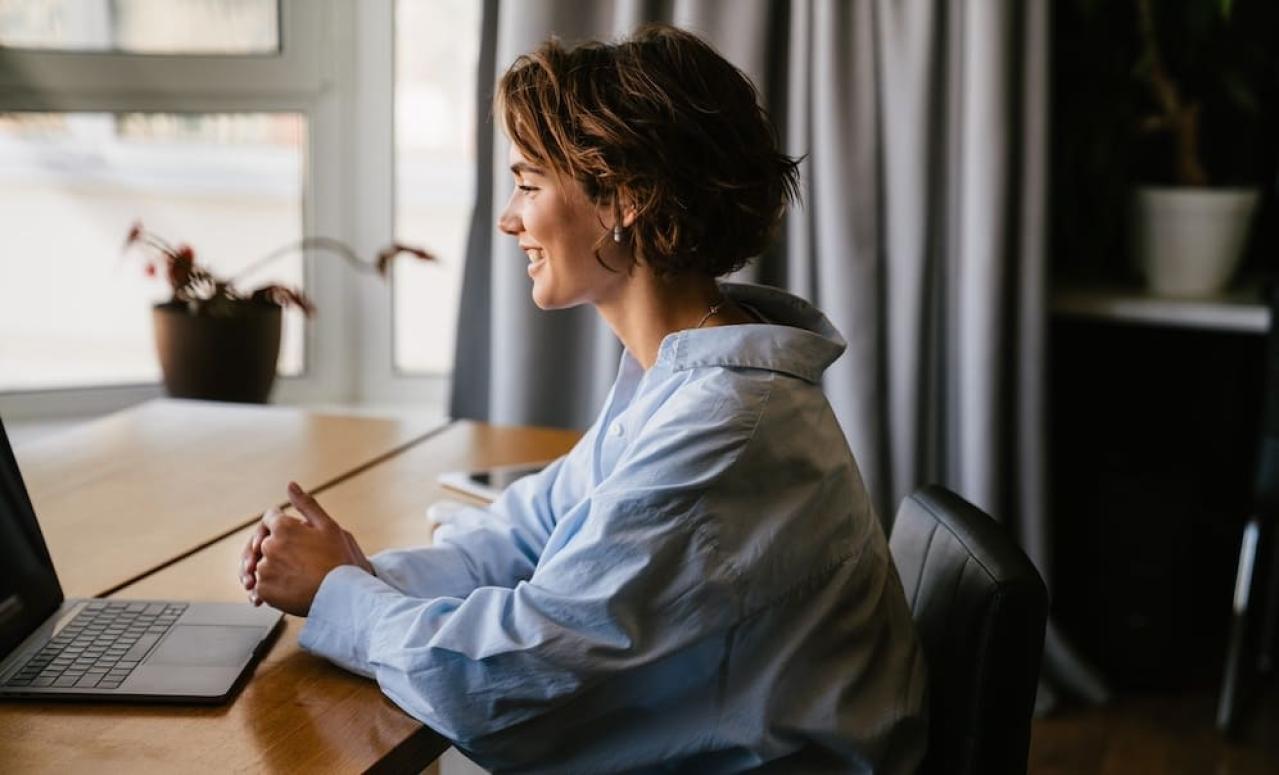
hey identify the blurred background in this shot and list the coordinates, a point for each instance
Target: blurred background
(988, 188)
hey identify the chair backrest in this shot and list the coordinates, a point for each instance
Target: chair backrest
(980, 608)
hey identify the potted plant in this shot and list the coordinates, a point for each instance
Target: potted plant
(1201, 77)
(216, 342)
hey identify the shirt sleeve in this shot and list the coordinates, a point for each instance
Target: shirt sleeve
(493, 546)
(497, 545)
(638, 550)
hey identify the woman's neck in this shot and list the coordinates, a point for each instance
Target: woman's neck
(647, 309)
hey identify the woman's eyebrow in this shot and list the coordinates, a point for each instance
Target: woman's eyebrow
(523, 167)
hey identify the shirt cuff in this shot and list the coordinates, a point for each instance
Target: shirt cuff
(343, 616)
(388, 571)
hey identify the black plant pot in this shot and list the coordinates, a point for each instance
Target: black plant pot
(229, 358)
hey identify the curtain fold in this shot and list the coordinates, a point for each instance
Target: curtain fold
(921, 233)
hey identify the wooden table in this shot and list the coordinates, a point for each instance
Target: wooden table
(126, 494)
(297, 712)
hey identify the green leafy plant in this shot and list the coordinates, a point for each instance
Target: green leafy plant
(202, 292)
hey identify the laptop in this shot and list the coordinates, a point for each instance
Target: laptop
(52, 648)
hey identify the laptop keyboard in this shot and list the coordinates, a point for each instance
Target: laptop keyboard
(100, 647)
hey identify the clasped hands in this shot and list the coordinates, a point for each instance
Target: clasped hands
(288, 556)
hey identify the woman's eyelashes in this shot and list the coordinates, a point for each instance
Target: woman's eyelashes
(525, 188)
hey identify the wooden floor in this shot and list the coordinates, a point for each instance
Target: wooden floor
(1150, 734)
(1156, 733)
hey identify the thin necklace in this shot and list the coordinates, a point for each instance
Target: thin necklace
(710, 312)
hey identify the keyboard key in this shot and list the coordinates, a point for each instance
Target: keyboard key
(139, 650)
(110, 684)
(66, 680)
(88, 682)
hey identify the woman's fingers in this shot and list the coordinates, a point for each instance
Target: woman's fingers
(248, 560)
(309, 507)
(252, 554)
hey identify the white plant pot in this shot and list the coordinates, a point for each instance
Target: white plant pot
(1188, 240)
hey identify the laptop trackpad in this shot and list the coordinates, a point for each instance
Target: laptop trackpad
(206, 645)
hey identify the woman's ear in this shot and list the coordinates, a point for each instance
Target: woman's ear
(625, 207)
(618, 211)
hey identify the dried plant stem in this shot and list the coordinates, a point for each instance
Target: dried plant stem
(307, 243)
(1177, 116)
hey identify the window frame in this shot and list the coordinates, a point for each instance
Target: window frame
(336, 68)
(380, 382)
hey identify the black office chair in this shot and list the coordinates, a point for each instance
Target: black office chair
(1248, 626)
(981, 609)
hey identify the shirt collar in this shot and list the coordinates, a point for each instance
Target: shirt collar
(797, 339)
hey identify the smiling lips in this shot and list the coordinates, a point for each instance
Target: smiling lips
(535, 258)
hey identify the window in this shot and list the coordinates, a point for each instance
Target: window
(72, 310)
(142, 26)
(436, 57)
(234, 126)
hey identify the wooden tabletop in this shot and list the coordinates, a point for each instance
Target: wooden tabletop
(121, 496)
(297, 712)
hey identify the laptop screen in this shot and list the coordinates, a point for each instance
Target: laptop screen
(29, 589)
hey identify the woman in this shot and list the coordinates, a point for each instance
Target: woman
(701, 582)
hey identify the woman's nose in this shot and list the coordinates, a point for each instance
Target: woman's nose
(508, 222)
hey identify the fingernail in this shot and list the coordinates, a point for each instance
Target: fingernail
(293, 487)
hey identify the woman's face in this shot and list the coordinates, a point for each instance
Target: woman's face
(558, 228)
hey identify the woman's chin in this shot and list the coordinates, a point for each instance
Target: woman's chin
(543, 298)
(547, 302)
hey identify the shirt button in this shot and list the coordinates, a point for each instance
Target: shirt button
(617, 429)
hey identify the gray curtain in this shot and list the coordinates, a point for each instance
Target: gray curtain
(923, 127)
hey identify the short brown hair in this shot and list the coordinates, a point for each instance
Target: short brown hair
(662, 123)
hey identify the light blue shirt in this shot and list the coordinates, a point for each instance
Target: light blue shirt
(700, 584)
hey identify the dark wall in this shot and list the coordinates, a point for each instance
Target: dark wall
(1154, 448)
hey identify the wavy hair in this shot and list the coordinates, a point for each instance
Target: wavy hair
(662, 124)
